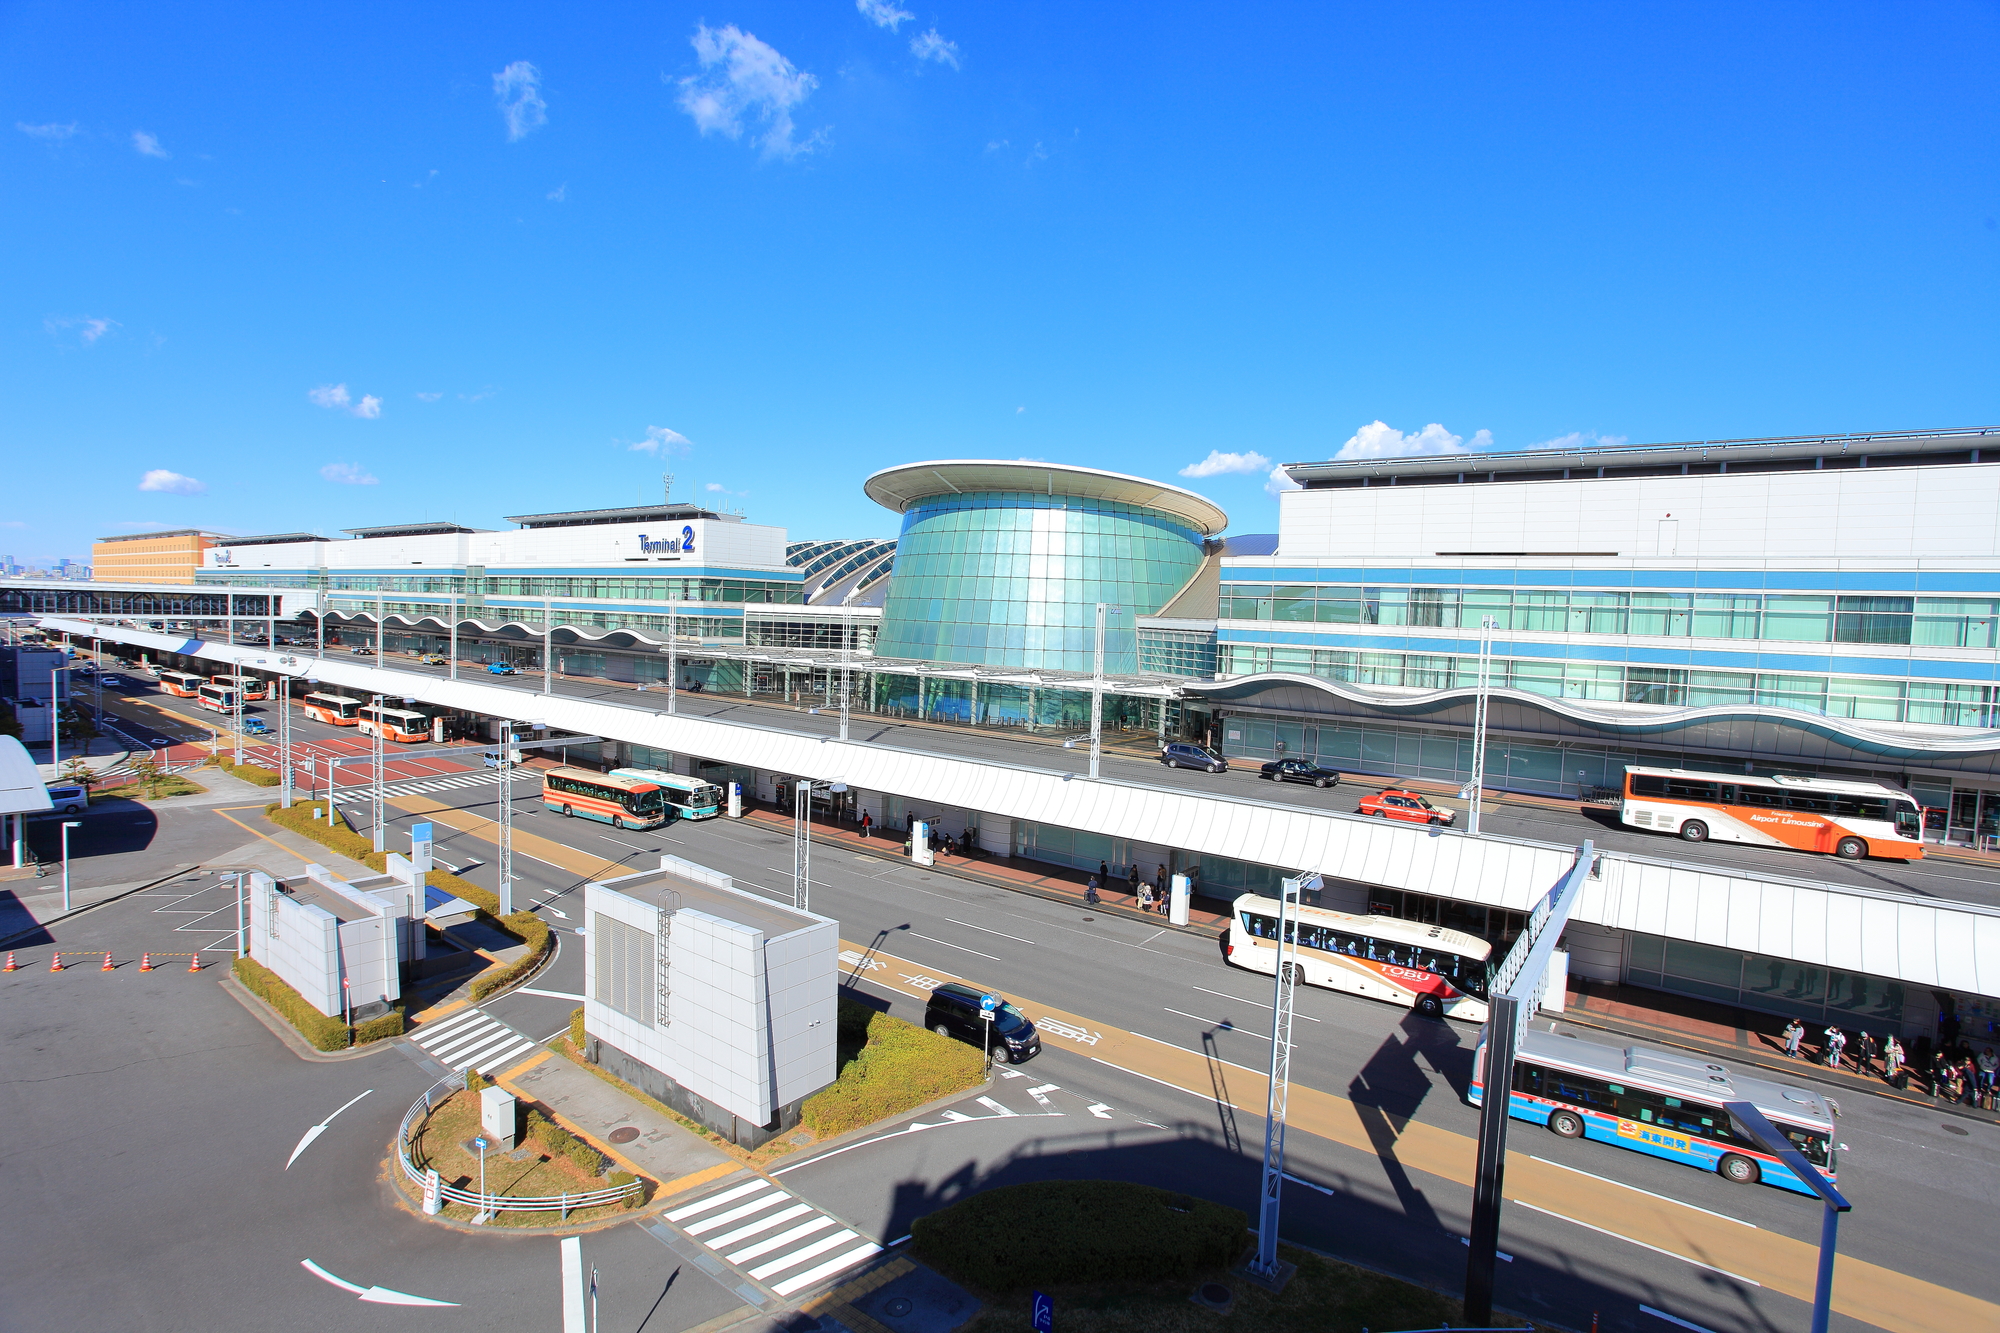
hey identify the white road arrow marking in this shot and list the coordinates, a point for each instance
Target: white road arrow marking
(1100, 1110)
(374, 1295)
(995, 1107)
(1041, 1094)
(315, 1132)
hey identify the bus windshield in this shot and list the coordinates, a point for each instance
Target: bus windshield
(705, 795)
(642, 802)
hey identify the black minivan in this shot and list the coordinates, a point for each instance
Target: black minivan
(953, 1011)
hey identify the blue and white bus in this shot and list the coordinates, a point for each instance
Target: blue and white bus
(688, 798)
(1666, 1103)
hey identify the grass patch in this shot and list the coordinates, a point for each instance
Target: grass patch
(887, 1067)
(549, 1161)
(254, 774)
(159, 788)
(324, 1033)
(1053, 1233)
(1325, 1296)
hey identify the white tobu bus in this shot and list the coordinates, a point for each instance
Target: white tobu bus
(1848, 819)
(1435, 971)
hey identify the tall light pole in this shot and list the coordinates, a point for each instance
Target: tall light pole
(1278, 1091)
(375, 793)
(1473, 789)
(283, 685)
(673, 658)
(504, 825)
(846, 674)
(801, 843)
(68, 824)
(548, 646)
(380, 641)
(452, 655)
(1097, 689)
(55, 717)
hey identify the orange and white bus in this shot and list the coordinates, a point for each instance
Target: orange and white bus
(253, 687)
(619, 802)
(1848, 819)
(336, 710)
(220, 698)
(405, 725)
(182, 684)
(1435, 971)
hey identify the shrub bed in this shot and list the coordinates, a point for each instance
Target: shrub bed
(254, 774)
(1049, 1233)
(894, 1067)
(531, 930)
(323, 1032)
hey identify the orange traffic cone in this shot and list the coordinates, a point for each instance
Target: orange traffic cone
(55, 962)
(107, 964)
(194, 964)
(145, 962)
(12, 966)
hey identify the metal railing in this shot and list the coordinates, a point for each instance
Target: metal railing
(494, 1203)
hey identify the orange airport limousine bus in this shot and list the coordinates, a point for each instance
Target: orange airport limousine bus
(1848, 819)
(336, 710)
(1437, 972)
(404, 725)
(253, 687)
(182, 684)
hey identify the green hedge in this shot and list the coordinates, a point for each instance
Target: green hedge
(899, 1066)
(254, 774)
(1048, 1233)
(329, 832)
(532, 931)
(576, 1037)
(326, 1034)
(561, 1143)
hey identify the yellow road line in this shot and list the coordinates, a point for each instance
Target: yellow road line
(1864, 1291)
(528, 1063)
(701, 1177)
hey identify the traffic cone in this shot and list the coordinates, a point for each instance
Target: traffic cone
(55, 962)
(107, 964)
(194, 964)
(12, 966)
(145, 962)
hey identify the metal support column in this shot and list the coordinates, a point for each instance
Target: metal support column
(801, 844)
(284, 740)
(379, 759)
(452, 654)
(1474, 788)
(381, 641)
(548, 647)
(673, 658)
(1097, 693)
(1497, 1082)
(504, 823)
(846, 672)
(236, 708)
(1266, 1264)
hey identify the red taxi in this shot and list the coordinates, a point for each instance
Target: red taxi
(1394, 803)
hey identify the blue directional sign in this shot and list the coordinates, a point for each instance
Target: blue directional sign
(1045, 1313)
(989, 1002)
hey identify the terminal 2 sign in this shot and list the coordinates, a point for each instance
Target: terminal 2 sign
(668, 545)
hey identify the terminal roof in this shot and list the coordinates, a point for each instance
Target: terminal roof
(898, 487)
(274, 539)
(588, 518)
(172, 532)
(411, 530)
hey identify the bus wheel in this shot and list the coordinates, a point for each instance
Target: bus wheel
(566, 813)
(617, 822)
(1850, 849)
(1694, 831)
(1739, 1169)
(1429, 1006)
(1566, 1124)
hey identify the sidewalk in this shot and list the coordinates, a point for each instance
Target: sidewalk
(669, 1153)
(1037, 878)
(1743, 1039)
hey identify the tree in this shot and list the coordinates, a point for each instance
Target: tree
(79, 772)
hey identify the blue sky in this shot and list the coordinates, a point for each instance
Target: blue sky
(364, 264)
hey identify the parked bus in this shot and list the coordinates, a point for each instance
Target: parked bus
(687, 798)
(1849, 819)
(1428, 968)
(1664, 1103)
(221, 698)
(253, 687)
(336, 710)
(621, 802)
(406, 725)
(182, 684)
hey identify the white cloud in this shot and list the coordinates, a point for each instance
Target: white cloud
(50, 133)
(336, 397)
(1579, 439)
(557, 195)
(88, 328)
(660, 440)
(348, 474)
(717, 488)
(1217, 463)
(882, 13)
(745, 80)
(148, 144)
(518, 90)
(1378, 439)
(170, 483)
(932, 46)
(1279, 482)
(12, 523)
(429, 397)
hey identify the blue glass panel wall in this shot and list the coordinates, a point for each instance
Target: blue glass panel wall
(1013, 579)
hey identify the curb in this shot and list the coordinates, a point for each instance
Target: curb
(288, 1034)
(392, 1169)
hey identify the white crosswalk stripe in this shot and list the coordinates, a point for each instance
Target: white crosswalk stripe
(474, 1037)
(792, 1244)
(418, 786)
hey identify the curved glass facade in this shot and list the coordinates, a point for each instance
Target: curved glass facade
(1012, 579)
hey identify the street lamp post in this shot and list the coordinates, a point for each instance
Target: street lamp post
(548, 646)
(504, 836)
(801, 843)
(68, 824)
(380, 761)
(1097, 689)
(673, 658)
(1474, 788)
(452, 664)
(1774, 1141)
(283, 686)
(55, 717)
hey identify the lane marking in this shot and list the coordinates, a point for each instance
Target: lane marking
(1100, 1110)
(1329, 1194)
(374, 1295)
(1214, 1023)
(622, 843)
(1003, 934)
(717, 1200)
(1648, 1193)
(315, 1132)
(949, 945)
(996, 1108)
(1240, 1000)
(1199, 1096)
(552, 994)
(1640, 1243)
(1041, 1094)
(1672, 1319)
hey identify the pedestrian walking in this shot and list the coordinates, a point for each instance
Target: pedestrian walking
(1864, 1060)
(1795, 1032)
(1090, 891)
(1104, 872)
(1989, 1074)
(1836, 1042)
(1145, 897)
(1892, 1059)
(1159, 880)
(1132, 877)
(867, 822)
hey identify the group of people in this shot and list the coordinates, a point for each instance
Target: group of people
(1152, 895)
(1956, 1074)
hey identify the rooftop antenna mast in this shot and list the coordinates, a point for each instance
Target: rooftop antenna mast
(667, 485)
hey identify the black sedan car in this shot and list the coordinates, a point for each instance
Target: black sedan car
(1300, 770)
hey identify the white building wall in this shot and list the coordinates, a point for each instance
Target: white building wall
(1856, 514)
(752, 546)
(303, 949)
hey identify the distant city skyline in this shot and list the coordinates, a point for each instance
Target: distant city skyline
(308, 271)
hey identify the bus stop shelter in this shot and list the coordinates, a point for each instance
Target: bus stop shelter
(22, 793)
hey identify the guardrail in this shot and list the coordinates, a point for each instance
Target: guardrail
(494, 1203)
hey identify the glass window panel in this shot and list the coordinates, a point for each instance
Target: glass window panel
(1655, 685)
(1872, 620)
(1390, 606)
(1686, 960)
(1339, 611)
(1581, 680)
(1726, 616)
(1541, 611)
(1798, 619)
(1662, 613)
(1708, 689)
(1781, 691)
(1536, 677)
